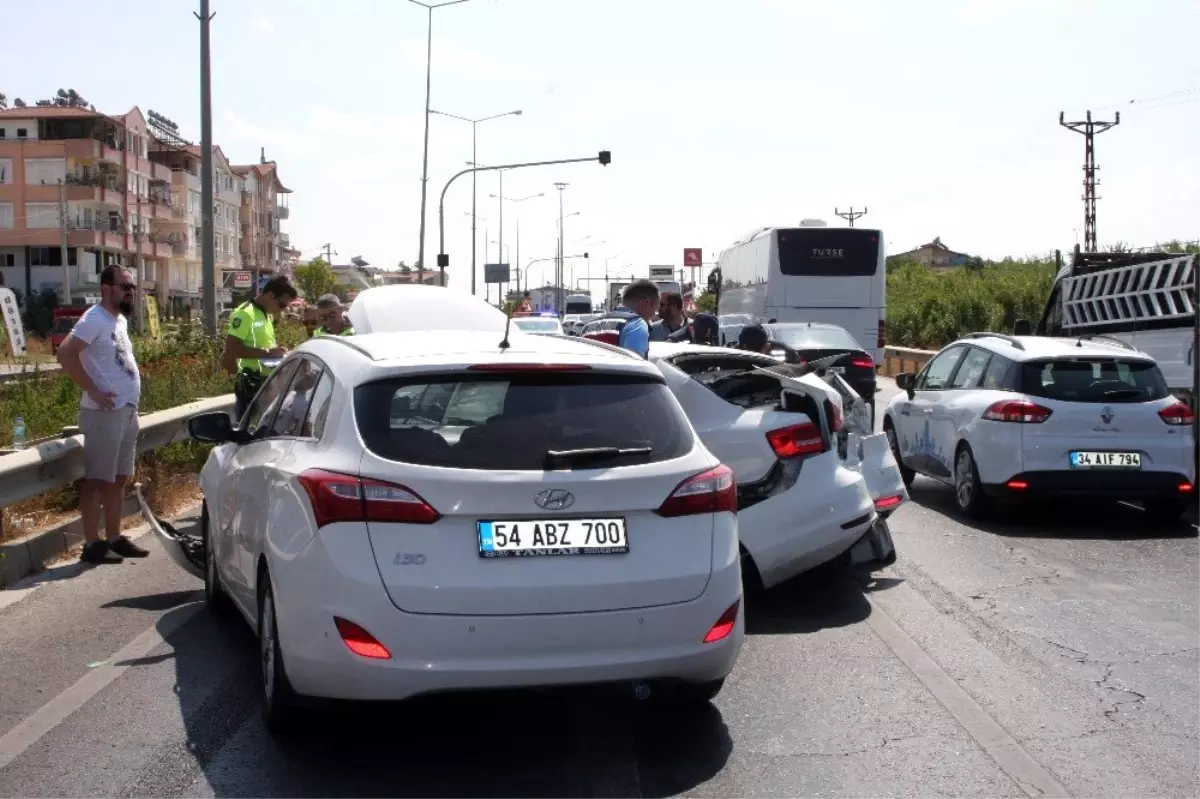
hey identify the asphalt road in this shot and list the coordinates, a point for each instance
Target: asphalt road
(1055, 655)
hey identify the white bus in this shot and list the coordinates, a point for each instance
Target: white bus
(811, 273)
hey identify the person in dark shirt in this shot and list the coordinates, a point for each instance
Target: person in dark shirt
(754, 338)
(704, 329)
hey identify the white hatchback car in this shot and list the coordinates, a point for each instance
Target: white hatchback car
(1014, 416)
(813, 480)
(407, 513)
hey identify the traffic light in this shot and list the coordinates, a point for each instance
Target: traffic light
(605, 158)
(585, 255)
(714, 279)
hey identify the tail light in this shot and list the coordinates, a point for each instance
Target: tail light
(799, 439)
(863, 361)
(887, 503)
(1177, 415)
(1017, 411)
(346, 498)
(607, 337)
(1186, 488)
(1017, 485)
(724, 625)
(708, 492)
(359, 641)
(882, 341)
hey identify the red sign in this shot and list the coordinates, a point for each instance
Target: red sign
(692, 256)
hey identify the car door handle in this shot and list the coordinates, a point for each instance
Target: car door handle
(928, 411)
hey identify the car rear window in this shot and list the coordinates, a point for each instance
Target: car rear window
(803, 337)
(511, 421)
(1094, 380)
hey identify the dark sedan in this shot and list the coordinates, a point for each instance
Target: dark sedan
(801, 342)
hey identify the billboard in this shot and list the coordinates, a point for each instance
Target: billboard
(692, 256)
(662, 272)
(496, 273)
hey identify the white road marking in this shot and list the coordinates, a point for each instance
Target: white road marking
(1010, 756)
(61, 707)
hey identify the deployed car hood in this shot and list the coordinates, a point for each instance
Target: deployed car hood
(402, 309)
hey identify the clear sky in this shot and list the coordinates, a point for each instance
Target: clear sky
(940, 116)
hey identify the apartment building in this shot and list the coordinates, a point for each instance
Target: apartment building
(265, 248)
(122, 190)
(77, 180)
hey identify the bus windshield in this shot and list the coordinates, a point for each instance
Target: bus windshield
(827, 252)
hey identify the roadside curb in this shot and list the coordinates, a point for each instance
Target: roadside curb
(20, 558)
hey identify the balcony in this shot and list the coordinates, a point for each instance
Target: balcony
(282, 211)
(160, 173)
(107, 189)
(285, 240)
(160, 207)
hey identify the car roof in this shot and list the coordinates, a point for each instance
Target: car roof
(665, 349)
(1033, 348)
(813, 325)
(428, 350)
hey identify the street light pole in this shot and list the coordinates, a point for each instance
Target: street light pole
(558, 273)
(207, 252)
(474, 162)
(429, 7)
(604, 157)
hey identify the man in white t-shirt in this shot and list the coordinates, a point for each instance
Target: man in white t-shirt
(98, 356)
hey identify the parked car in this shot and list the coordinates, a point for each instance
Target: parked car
(813, 481)
(1000, 416)
(459, 505)
(801, 342)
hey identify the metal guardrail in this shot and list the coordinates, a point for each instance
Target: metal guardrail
(903, 359)
(30, 472)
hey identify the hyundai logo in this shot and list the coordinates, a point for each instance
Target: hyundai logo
(555, 499)
(1106, 414)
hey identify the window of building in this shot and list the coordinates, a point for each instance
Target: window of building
(6, 216)
(48, 171)
(8, 259)
(51, 256)
(22, 133)
(5, 169)
(41, 215)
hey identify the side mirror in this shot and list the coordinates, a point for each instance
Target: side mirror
(1022, 328)
(215, 428)
(906, 381)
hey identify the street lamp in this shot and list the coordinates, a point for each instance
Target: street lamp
(474, 123)
(425, 159)
(502, 200)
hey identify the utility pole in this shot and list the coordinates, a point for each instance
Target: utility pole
(1089, 129)
(851, 215)
(62, 225)
(139, 300)
(329, 253)
(499, 244)
(209, 255)
(558, 272)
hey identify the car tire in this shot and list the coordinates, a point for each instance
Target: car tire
(906, 474)
(1165, 513)
(215, 598)
(968, 490)
(279, 708)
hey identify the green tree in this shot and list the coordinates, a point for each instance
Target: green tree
(316, 278)
(707, 303)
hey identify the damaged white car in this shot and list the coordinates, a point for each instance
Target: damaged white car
(815, 484)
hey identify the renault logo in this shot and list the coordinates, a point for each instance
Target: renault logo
(555, 499)
(1106, 414)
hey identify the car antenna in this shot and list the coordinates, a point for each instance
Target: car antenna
(507, 324)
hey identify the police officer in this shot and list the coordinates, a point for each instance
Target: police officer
(251, 337)
(332, 316)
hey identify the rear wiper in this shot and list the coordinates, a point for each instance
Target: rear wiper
(590, 454)
(1123, 392)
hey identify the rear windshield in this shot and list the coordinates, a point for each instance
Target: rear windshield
(828, 252)
(512, 421)
(538, 325)
(803, 337)
(1093, 380)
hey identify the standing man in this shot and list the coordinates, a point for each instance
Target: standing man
(251, 337)
(98, 356)
(670, 317)
(332, 316)
(639, 301)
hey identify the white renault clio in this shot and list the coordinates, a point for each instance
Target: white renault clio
(452, 509)
(1016, 416)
